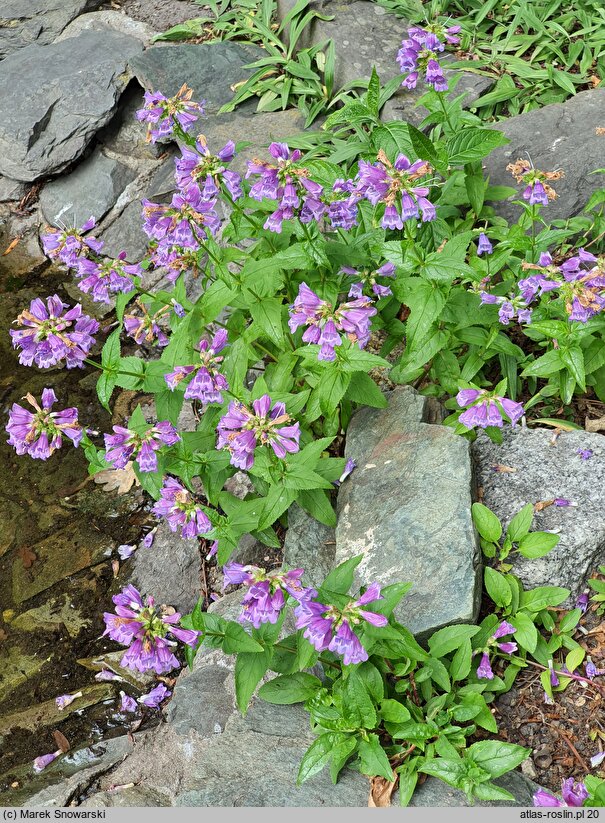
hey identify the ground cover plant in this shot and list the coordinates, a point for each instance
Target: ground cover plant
(370, 233)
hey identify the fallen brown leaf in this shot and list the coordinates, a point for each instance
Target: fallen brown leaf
(115, 566)
(594, 425)
(27, 557)
(12, 245)
(3, 635)
(61, 741)
(120, 480)
(381, 791)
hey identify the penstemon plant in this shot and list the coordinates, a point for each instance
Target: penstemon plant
(305, 265)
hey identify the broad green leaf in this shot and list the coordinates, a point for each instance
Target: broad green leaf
(497, 757)
(250, 668)
(291, 688)
(471, 144)
(238, 640)
(497, 587)
(373, 759)
(520, 525)
(486, 523)
(445, 640)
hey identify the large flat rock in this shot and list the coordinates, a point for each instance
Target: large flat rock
(542, 472)
(209, 69)
(407, 509)
(72, 89)
(23, 22)
(560, 136)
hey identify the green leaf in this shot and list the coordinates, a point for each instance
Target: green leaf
(446, 640)
(497, 587)
(520, 525)
(544, 366)
(268, 315)
(542, 597)
(105, 386)
(471, 144)
(486, 523)
(340, 579)
(238, 640)
(373, 759)
(320, 752)
(332, 386)
(358, 704)
(363, 390)
(573, 358)
(537, 544)
(373, 93)
(526, 633)
(574, 659)
(393, 711)
(450, 771)
(250, 668)
(291, 688)
(496, 757)
(461, 661)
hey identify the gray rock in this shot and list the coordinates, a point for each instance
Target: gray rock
(91, 189)
(406, 508)
(169, 570)
(544, 472)
(73, 89)
(11, 190)
(128, 796)
(251, 551)
(357, 27)
(126, 234)
(209, 69)
(559, 136)
(124, 134)
(309, 545)
(36, 21)
(434, 792)
(108, 19)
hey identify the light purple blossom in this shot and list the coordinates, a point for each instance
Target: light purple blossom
(104, 278)
(367, 280)
(41, 432)
(52, 334)
(484, 670)
(128, 704)
(585, 454)
(582, 600)
(163, 114)
(67, 245)
(125, 445)
(205, 172)
(396, 185)
(181, 510)
(44, 760)
(484, 246)
(151, 633)
(65, 700)
(206, 383)
(266, 591)
(156, 696)
(574, 795)
(242, 430)
(125, 551)
(597, 759)
(148, 539)
(144, 328)
(106, 674)
(419, 54)
(350, 466)
(486, 409)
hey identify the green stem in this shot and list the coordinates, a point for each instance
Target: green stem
(266, 351)
(105, 369)
(441, 95)
(285, 648)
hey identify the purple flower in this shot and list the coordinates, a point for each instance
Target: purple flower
(67, 245)
(145, 329)
(582, 600)
(350, 466)
(394, 184)
(64, 700)
(128, 704)
(484, 246)
(418, 53)
(106, 674)
(213, 550)
(153, 698)
(180, 509)
(41, 762)
(484, 670)
(554, 680)
(367, 279)
(207, 383)
(163, 114)
(537, 191)
(106, 277)
(597, 759)
(585, 454)
(146, 630)
(148, 539)
(486, 410)
(125, 445)
(52, 334)
(266, 591)
(41, 432)
(205, 172)
(241, 431)
(125, 551)
(574, 795)
(562, 502)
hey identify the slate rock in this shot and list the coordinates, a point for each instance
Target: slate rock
(72, 91)
(23, 22)
(126, 234)
(90, 190)
(407, 509)
(124, 134)
(108, 19)
(560, 136)
(11, 190)
(209, 69)
(169, 570)
(544, 472)
(309, 545)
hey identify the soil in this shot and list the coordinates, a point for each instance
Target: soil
(159, 14)
(564, 736)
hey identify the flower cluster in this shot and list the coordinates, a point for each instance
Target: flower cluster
(367, 280)
(180, 509)
(66, 245)
(103, 278)
(324, 324)
(125, 445)
(510, 307)
(40, 433)
(145, 629)
(396, 185)
(484, 670)
(331, 628)
(144, 327)
(241, 431)
(486, 409)
(266, 591)
(52, 334)
(288, 182)
(208, 383)
(163, 115)
(419, 54)
(574, 794)
(537, 191)
(202, 171)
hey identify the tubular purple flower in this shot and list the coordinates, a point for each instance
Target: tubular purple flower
(163, 114)
(64, 700)
(102, 279)
(125, 445)
(395, 185)
(266, 591)
(485, 410)
(205, 172)
(52, 334)
(145, 329)
(128, 704)
(44, 760)
(484, 670)
(208, 383)
(181, 510)
(156, 696)
(67, 245)
(41, 432)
